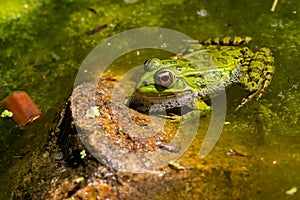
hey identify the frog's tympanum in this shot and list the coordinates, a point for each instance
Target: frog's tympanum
(202, 70)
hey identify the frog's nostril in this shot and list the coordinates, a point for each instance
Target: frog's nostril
(145, 83)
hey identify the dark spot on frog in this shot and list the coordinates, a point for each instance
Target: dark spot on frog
(224, 54)
(145, 83)
(222, 60)
(179, 68)
(243, 51)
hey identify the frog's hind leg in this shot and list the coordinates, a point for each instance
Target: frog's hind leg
(248, 98)
(257, 74)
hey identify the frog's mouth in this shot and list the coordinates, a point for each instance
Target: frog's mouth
(163, 101)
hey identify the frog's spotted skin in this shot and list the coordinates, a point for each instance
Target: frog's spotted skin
(257, 74)
(202, 70)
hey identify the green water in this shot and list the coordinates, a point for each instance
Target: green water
(44, 42)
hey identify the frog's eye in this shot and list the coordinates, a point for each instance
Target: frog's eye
(164, 78)
(151, 64)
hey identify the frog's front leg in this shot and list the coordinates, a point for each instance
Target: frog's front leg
(257, 74)
(199, 107)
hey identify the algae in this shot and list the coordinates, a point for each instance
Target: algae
(44, 42)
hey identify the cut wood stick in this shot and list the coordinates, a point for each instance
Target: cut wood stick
(274, 5)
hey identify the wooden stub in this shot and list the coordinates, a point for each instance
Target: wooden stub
(25, 112)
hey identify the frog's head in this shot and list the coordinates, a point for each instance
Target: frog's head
(165, 78)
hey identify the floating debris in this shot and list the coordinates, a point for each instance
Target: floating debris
(274, 5)
(99, 28)
(233, 152)
(79, 179)
(170, 148)
(6, 113)
(202, 12)
(291, 191)
(92, 112)
(92, 10)
(25, 112)
(130, 1)
(82, 154)
(176, 166)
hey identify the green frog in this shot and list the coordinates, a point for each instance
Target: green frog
(203, 70)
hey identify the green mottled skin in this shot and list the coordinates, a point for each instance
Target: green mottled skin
(202, 71)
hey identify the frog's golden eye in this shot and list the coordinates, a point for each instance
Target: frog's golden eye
(151, 64)
(164, 78)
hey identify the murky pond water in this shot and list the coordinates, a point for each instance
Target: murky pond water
(44, 42)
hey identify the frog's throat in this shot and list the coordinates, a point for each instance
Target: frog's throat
(169, 100)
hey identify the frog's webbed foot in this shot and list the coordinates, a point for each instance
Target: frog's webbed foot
(250, 96)
(198, 108)
(201, 107)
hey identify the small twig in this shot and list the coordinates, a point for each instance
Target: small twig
(274, 5)
(100, 28)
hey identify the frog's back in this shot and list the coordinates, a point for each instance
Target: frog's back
(213, 57)
(219, 52)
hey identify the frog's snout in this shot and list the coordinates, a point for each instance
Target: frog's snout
(142, 84)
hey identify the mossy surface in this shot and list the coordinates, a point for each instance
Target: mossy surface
(43, 44)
